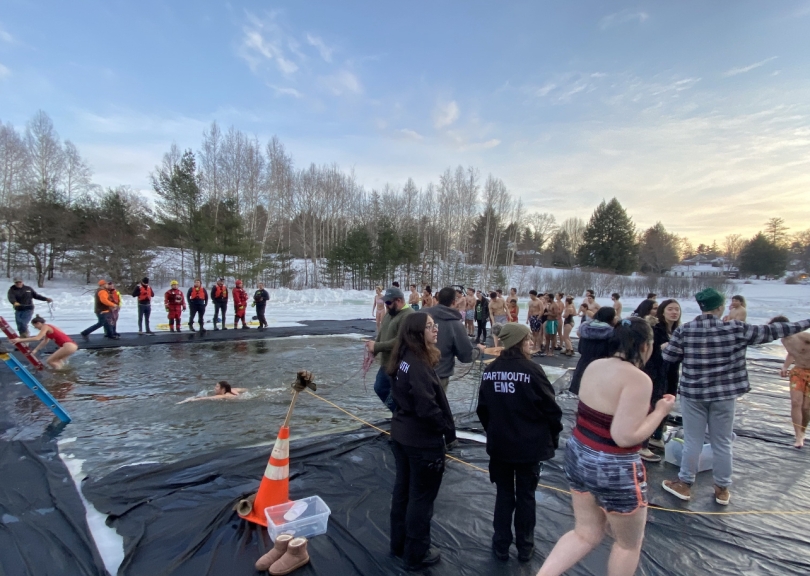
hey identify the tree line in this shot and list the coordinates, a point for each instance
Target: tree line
(238, 207)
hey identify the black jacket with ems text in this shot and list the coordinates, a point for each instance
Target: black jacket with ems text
(517, 408)
(423, 418)
(24, 297)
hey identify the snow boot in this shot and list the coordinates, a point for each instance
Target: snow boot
(295, 557)
(171, 327)
(273, 556)
(191, 326)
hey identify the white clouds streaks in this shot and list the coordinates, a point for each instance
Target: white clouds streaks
(445, 114)
(744, 69)
(324, 50)
(4, 71)
(621, 18)
(343, 82)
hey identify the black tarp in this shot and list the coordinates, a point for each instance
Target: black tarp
(43, 530)
(177, 519)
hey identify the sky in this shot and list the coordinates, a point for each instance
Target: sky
(692, 113)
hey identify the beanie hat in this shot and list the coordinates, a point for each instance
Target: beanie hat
(145, 280)
(709, 299)
(238, 282)
(102, 282)
(512, 334)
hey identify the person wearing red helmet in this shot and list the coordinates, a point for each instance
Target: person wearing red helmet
(175, 304)
(240, 300)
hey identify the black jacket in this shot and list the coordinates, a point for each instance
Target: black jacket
(260, 297)
(453, 339)
(593, 345)
(198, 301)
(223, 299)
(423, 418)
(664, 375)
(482, 310)
(517, 408)
(24, 296)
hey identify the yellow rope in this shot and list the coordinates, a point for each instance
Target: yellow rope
(555, 489)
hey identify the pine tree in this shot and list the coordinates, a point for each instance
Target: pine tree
(762, 257)
(609, 241)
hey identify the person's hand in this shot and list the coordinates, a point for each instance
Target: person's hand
(370, 346)
(16, 304)
(665, 404)
(48, 300)
(15, 340)
(167, 308)
(784, 372)
(664, 345)
(481, 347)
(184, 309)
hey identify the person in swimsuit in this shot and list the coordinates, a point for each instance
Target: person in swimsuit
(569, 313)
(512, 303)
(534, 319)
(554, 312)
(413, 298)
(222, 391)
(378, 307)
(607, 477)
(469, 315)
(427, 297)
(736, 310)
(497, 312)
(798, 355)
(617, 305)
(65, 345)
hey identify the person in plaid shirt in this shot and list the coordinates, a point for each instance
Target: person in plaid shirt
(713, 376)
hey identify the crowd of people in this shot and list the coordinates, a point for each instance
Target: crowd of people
(627, 378)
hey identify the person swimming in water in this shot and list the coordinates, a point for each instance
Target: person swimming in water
(222, 391)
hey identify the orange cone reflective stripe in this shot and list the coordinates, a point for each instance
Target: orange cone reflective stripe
(275, 486)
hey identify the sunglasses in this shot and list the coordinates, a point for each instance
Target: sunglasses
(388, 302)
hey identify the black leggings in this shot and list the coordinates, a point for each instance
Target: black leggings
(482, 329)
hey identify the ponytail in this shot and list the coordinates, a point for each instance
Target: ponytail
(629, 335)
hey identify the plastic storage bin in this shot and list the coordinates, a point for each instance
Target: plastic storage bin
(311, 522)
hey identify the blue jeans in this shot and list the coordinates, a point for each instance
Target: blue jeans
(102, 323)
(719, 416)
(382, 387)
(23, 319)
(144, 312)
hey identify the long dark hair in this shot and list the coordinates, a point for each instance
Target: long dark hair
(225, 386)
(629, 335)
(411, 338)
(663, 321)
(606, 314)
(644, 308)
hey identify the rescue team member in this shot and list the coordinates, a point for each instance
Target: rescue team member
(602, 463)
(144, 293)
(22, 299)
(175, 305)
(240, 300)
(421, 427)
(102, 306)
(219, 295)
(396, 311)
(112, 318)
(260, 298)
(516, 406)
(65, 346)
(197, 302)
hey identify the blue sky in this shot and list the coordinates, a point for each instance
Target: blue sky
(693, 113)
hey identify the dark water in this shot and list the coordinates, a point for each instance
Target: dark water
(124, 402)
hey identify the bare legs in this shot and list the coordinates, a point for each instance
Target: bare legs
(566, 337)
(57, 359)
(627, 530)
(800, 414)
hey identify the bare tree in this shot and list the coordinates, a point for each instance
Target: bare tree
(732, 246)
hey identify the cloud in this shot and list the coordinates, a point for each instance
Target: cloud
(6, 37)
(324, 50)
(622, 18)
(263, 41)
(4, 72)
(744, 69)
(445, 114)
(286, 91)
(342, 82)
(411, 134)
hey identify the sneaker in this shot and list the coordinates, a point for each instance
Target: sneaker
(678, 489)
(721, 495)
(649, 456)
(656, 442)
(431, 557)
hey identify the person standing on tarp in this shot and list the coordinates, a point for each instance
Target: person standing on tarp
(421, 428)
(713, 376)
(240, 299)
(102, 306)
(175, 305)
(396, 311)
(517, 409)
(144, 293)
(197, 302)
(22, 299)
(260, 298)
(219, 295)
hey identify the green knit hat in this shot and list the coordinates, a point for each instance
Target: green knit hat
(512, 334)
(709, 299)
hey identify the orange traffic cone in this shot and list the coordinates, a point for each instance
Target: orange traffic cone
(275, 486)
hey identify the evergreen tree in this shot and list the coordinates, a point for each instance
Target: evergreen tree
(609, 241)
(762, 257)
(561, 252)
(658, 250)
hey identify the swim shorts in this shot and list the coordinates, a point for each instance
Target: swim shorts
(415, 307)
(470, 315)
(800, 380)
(500, 319)
(618, 482)
(551, 327)
(535, 323)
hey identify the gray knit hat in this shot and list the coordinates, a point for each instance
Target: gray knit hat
(512, 334)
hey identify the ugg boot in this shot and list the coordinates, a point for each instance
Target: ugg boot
(295, 557)
(277, 552)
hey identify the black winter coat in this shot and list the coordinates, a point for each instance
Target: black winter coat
(517, 408)
(664, 375)
(24, 296)
(423, 418)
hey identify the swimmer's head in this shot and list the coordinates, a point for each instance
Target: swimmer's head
(222, 387)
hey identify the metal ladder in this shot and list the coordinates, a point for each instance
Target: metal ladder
(28, 379)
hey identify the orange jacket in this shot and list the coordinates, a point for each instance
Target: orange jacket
(174, 297)
(240, 298)
(103, 303)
